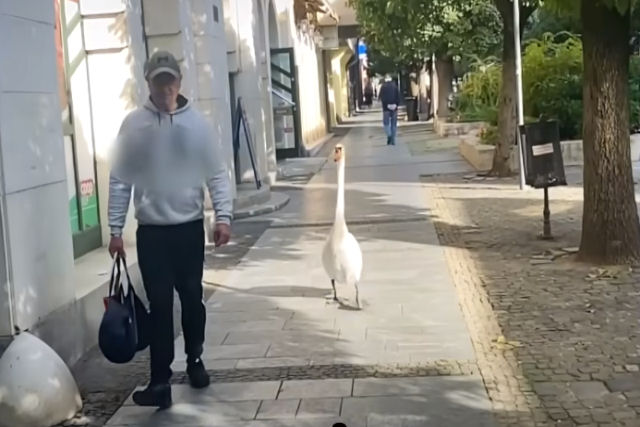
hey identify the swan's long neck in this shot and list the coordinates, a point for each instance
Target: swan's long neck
(340, 222)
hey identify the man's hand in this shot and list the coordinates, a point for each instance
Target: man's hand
(221, 234)
(116, 247)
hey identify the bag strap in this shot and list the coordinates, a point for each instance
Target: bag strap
(120, 279)
(115, 276)
(125, 279)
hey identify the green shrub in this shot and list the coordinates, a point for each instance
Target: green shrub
(552, 82)
(552, 85)
(479, 92)
(489, 135)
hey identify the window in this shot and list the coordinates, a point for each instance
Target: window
(216, 14)
(73, 87)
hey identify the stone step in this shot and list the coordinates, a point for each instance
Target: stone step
(273, 203)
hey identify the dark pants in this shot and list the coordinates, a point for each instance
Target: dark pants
(173, 256)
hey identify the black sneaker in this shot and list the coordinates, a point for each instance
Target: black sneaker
(158, 395)
(198, 376)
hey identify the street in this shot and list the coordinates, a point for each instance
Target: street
(473, 298)
(468, 318)
(283, 355)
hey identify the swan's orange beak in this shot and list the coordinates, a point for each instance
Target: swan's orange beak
(337, 153)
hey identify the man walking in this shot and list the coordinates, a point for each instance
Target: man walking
(166, 153)
(390, 98)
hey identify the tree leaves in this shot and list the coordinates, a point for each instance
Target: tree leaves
(408, 31)
(573, 6)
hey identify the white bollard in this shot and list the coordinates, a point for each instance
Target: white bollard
(36, 386)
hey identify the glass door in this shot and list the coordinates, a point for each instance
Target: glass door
(286, 102)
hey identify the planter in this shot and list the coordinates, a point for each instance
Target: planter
(480, 156)
(445, 128)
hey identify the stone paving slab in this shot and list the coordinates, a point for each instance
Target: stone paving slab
(392, 326)
(451, 401)
(316, 388)
(371, 387)
(320, 407)
(186, 414)
(226, 392)
(418, 410)
(278, 409)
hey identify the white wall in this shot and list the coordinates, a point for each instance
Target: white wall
(116, 53)
(246, 33)
(213, 73)
(310, 79)
(33, 192)
(168, 26)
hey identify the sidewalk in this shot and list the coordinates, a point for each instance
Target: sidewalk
(280, 355)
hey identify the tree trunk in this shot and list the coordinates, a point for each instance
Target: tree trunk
(430, 90)
(507, 120)
(610, 227)
(444, 74)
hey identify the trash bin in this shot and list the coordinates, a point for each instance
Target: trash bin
(412, 108)
(543, 163)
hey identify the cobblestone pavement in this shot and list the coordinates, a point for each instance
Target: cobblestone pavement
(557, 341)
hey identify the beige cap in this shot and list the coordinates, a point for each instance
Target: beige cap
(161, 62)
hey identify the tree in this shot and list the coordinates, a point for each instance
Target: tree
(544, 20)
(455, 29)
(381, 64)
(386, 26)
(610, 226)
(507, 120)
(409, 31)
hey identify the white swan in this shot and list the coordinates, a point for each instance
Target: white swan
(342, 257)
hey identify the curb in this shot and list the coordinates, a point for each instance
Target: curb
(276, 202)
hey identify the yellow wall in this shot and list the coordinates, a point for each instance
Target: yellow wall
(312, 111)
(337, 84)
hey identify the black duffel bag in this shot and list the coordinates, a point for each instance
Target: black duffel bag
(124, 329)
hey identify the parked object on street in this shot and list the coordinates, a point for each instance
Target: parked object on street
(543, 164)
(368, 94)
(342, 256)
(412, 108)
(124, 329)
(36, 387)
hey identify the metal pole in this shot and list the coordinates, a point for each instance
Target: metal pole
(546, 215)
(519, 96)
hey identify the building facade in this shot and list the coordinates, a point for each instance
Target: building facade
(341, 61)
(71, 71)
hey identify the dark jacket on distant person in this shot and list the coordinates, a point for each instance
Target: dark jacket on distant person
(389, 95)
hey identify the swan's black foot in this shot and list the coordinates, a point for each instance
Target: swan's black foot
(333, 297)
(330, 298)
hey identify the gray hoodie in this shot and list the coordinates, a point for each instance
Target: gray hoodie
(166, 159)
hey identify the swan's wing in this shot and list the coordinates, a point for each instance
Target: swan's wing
(328, 260)
(353, 257)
